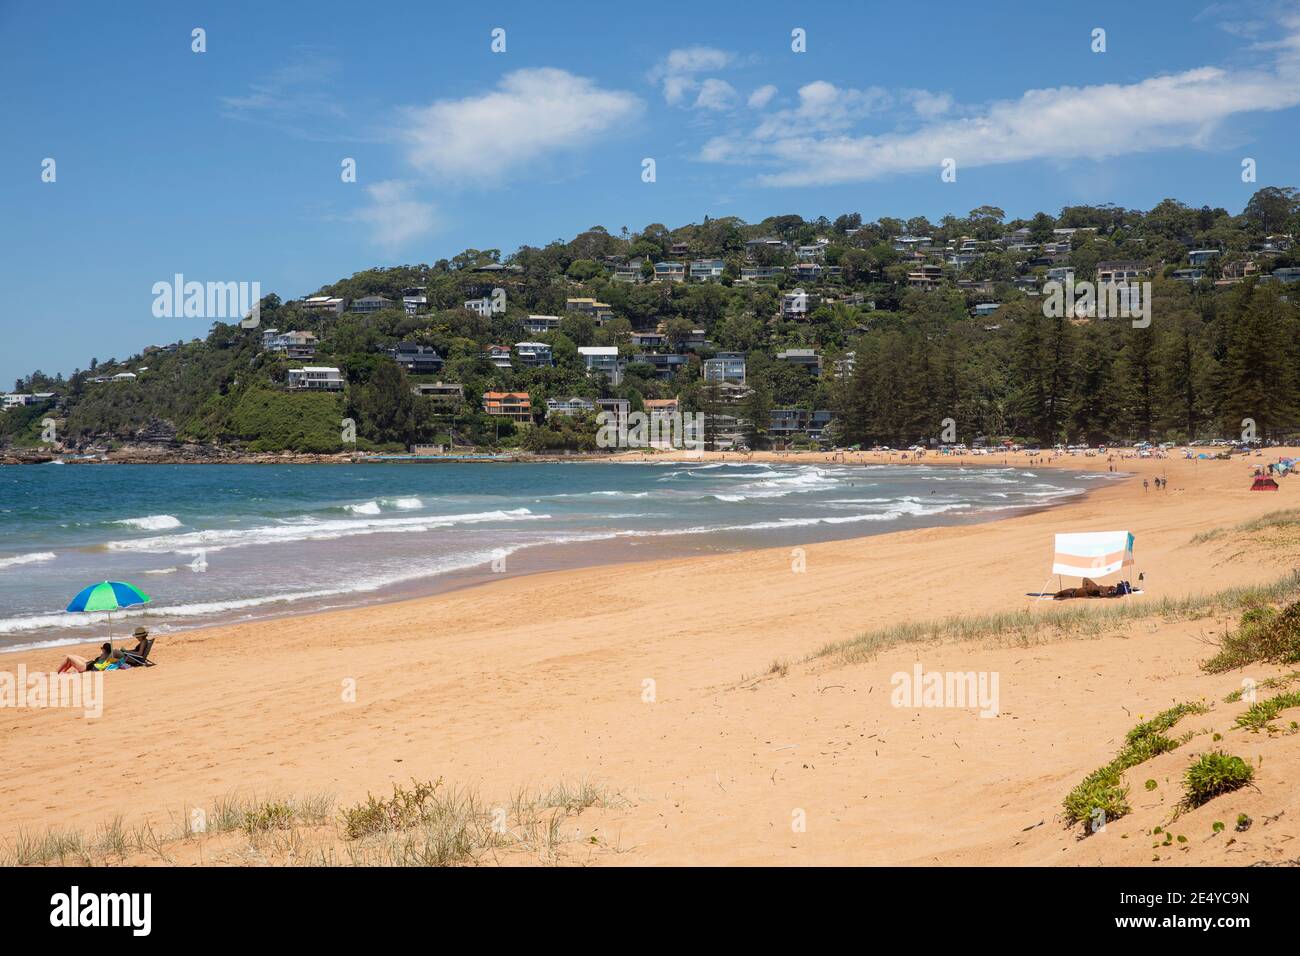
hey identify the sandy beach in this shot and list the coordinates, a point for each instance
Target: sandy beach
(684, 689)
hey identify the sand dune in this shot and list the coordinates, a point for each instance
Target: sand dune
(523, 681)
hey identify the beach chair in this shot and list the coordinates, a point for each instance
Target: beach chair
(142, 659)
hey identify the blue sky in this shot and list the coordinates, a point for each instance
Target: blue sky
(225, 165)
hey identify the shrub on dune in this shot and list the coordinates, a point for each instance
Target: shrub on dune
(1214, 774)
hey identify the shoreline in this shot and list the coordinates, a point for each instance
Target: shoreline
(549, 557)
(526, 680)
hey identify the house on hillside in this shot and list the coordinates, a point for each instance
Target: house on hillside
(481, 306)
(785, 423)
(797, 304)
(445, 395)
(725, 367)
(295, 345)
(601, 312)
(615, 410)
(666, 366)
(533, 354)
(416, 358)
(1121, 270)
(515, 406)
(648, 340)
(573, 405)
(707, 270)
(670, 272)
(372, 303)
(538, 324)
(925, 277)
(602, 360)
(806, 359)
(629, 271)
(318, 378)
(324, 305)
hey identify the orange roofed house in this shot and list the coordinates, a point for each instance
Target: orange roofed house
(515, 406)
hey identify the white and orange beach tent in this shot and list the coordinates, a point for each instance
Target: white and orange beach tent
(1092, 554)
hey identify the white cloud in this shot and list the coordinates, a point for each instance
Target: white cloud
(929, 105)
(818, 143)
(761, 96)
(823, 107)
(531, 113)
(679, 71)
(716, 94)
(393, 215)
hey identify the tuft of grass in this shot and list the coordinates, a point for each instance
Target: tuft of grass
(1263, 635)
(272, 815)
(1258, 715)
(404, 810)
(571, 798)
(1212, 775)
(427, 825)
(1025, 626)
(1104, 788)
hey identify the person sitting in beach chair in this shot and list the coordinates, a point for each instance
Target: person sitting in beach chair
(74, 662)
(138, 656)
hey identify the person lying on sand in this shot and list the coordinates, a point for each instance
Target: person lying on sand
(74, 662)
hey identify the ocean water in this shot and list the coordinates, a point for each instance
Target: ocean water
(215, 543)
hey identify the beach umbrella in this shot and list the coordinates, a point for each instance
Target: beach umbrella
(108, 596)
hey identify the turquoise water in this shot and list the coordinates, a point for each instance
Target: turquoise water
(221, 542)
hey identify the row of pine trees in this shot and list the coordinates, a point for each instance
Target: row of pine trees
(1221, 364)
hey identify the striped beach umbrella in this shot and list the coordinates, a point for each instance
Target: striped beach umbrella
(108, 596)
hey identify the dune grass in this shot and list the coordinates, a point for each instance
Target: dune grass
(1104, 789)
(428, 824)
(1285, 520)
(114, 842)
(424, 824)
(1025, 626)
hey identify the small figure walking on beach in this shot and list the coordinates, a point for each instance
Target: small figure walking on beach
(1145, 485)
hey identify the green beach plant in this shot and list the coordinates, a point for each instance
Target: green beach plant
(1103, 790)
(1213, 774)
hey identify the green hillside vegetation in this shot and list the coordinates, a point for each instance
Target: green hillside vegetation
(1212, 356)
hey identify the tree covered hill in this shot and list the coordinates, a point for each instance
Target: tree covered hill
(901, 348)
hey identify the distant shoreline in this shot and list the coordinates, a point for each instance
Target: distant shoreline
(1042, 458)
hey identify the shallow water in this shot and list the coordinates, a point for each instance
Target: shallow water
(216, 543)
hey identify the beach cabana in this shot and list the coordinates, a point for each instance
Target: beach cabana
(1263, 483)
(1089, 555)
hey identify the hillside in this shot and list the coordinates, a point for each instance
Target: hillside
(909, 324)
